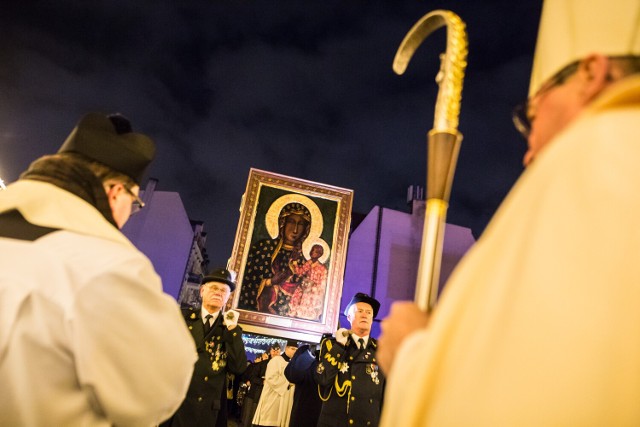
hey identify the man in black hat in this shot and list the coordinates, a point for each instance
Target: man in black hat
(351, 384)
(88, 336)
(218, 339)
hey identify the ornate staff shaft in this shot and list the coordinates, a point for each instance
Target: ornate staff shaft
(443, 141)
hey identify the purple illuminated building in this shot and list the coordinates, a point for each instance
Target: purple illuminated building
(383, 256)
(173, 243)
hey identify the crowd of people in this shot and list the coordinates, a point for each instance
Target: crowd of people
(87, 337)
(537, 326)
(336, 383)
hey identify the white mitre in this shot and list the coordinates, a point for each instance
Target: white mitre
(572, 29)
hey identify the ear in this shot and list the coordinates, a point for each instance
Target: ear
(113, 190)
(594, 75)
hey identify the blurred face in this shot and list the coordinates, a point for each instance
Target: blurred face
(561, 100)
(360, 317)
(214, 295)
(554, 110)
(121, 200)
(274, 352)
(294, 228)
(290, 350)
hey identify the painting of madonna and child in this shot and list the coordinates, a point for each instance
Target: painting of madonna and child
(290, 251)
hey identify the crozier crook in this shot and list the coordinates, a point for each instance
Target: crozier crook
(443, 141)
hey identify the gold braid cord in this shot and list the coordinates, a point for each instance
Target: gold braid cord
(341, 390)
(443, 141)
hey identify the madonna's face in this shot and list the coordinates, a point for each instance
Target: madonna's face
(295, 227)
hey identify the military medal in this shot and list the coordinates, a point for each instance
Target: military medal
(373, 371)
(218, 357)
(344, 367)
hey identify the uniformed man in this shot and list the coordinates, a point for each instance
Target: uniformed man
(218, 339)
(350, 383)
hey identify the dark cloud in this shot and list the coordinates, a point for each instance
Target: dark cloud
(299, 88)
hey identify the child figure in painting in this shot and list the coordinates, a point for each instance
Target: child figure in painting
(308, 298)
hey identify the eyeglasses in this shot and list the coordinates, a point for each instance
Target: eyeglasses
(137, 203)
(216, 287)
(524, 114)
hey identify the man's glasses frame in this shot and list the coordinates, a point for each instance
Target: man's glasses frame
(523, 116)
(216, 287)
(137, 203)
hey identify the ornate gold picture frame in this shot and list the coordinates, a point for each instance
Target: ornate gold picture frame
(289, 255)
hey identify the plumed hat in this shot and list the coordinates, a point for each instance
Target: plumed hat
(111, 141)
(360, 297)
(572, 29)
(221, 275)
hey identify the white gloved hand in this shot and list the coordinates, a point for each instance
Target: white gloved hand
(342, 335)
(230, 319)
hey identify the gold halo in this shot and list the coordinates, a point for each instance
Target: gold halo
(309, 243)
(271, 218)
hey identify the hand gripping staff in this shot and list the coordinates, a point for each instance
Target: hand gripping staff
(443, 141)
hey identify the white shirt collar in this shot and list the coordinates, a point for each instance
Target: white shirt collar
(355, 339)
(204, 312)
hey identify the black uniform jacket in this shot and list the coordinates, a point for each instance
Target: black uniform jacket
(219, 352)
(350, 384)
(306, 402)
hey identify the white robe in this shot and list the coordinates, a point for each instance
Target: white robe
(87, 337)
(276, 400)
(540, 323)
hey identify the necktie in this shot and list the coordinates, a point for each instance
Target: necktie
(361, 343)
(207, 323)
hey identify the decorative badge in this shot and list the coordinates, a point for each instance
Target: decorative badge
(344, 367)
(218, 355)
(320, 368)
(372, 370)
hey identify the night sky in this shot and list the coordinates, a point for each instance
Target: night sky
(300, 88)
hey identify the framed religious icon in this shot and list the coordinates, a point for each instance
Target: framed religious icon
(289, 255)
